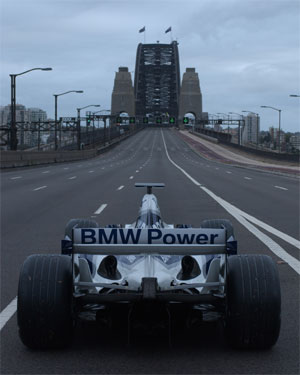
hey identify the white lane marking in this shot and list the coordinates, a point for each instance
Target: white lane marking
(72, 178)
(141, 167)
(66, 168)
(46, 172)
(120, 187)
(276, 232)
(241, 216)
(216, 168)
(8, 312)
(91, 171)
(247, 178)
(15, 178)
(100, 209)
(272, 245)
(228, 172)
(280, 187)
(136, 171)
(131, 177)
(39, 188)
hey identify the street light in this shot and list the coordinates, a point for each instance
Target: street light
(104, 120)
(78, 123)
(55, 110)
(13, 128)
(240, 133)
(257, 124)
(279, 121)
(225, 114)
(295, 96)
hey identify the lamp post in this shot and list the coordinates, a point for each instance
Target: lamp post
(55, 111)
(240, 134)
(294, 96)
(257, 124)
(104, 120)
(279, 121)
(78, 123)
(13, 127)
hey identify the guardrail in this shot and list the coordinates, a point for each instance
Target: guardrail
(13, 159)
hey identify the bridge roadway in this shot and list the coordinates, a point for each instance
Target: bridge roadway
(37, 203)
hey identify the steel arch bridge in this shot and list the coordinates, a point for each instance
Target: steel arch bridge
(157, 79)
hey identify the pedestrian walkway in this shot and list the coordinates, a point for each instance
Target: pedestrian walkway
(217, 152)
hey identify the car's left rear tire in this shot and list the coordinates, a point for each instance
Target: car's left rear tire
(45, 301)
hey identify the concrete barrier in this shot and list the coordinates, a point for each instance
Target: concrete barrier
(10, 159)
(206, 137)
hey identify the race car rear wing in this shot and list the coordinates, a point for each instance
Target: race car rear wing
(174, 241)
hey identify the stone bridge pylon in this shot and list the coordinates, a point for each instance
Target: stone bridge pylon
(122, 99)
(190, 95)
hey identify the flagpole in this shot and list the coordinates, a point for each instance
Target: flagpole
(171, 36)
(145, 36)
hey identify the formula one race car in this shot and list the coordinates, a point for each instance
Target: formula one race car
(151, 274)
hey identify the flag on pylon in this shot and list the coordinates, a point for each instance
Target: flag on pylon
(142, 29)
(168, 30)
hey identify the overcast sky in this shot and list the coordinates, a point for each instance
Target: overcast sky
(246, 52)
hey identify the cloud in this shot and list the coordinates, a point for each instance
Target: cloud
(245, 52)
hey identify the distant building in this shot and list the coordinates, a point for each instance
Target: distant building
(24, 116)
(295, 141)
(36, 114)
(250, 131)
(5, 114)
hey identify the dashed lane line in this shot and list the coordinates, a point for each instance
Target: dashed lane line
(100, 209)
(280, 187)
(131, 177)
(247, 178)
(72, 178)
(40, 188)
(91, 171)
(241, 216)
(46, 172)
(120, 187)
(15, 178)
(8, 312)
(228, 172)
(136, 171)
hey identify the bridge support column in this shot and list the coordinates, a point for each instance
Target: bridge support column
(122, 98)
(190, 96)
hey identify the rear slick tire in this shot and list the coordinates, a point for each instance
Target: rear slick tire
(45, 301)
(253, 302)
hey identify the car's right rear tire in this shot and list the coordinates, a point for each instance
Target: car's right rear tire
(253, 302)
(45, 301)
(219, 224)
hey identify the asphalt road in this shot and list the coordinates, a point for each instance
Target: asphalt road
(36, 204)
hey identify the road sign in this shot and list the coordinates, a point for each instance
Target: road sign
(172, 120)
(132, 120)
(119, 120)
(158, 120)
(145, 120)
(185, 120)
(71, 118)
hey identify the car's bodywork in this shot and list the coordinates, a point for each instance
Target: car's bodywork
(154, 273)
